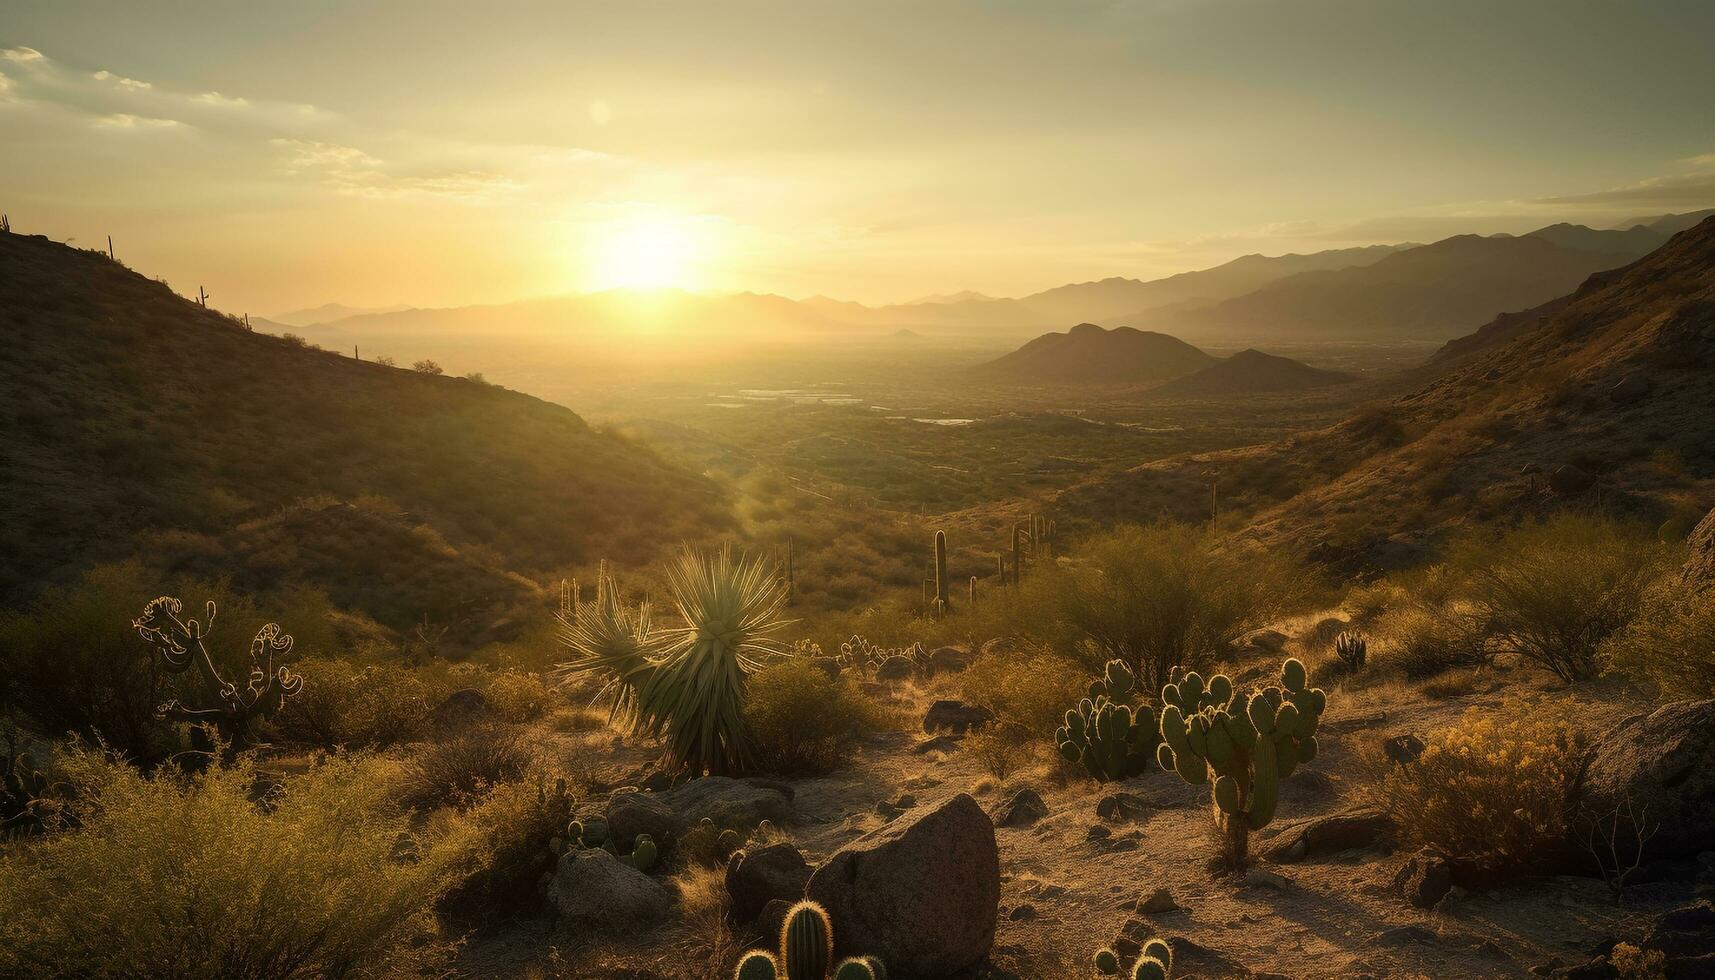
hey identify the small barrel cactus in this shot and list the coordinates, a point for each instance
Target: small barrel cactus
(854, 969)
(1247, 742)
(757, 965)
(643, 853)
(806, 942)
(1154, 963)
(1352, 649)
(1107, 962)
(1111, 739)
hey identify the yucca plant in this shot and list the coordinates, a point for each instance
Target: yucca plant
(692, 695)
(610, 638)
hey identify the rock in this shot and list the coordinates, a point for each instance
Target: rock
(1686, 931)
(828, 665)
(956, 717)
(1121, 846)
(1023, 913)
(1699, 571)
(1570, 479)
(1159, 901)
(940, 743)
(1327, 629)
(1098, 832)
(896, 668)
(773, 918)
(594, 889)
(949, 660)
(921, 893)
(1025, 808)
(1405, 936)
(462, 708)
(630, 814)
(1262, 878)
(756, 877)
(1632, 388)
(1123, 806)
(1342, 726)
(1424, 879)
(1662, 767)
(1000, 646)
(740, 804)
(1402, 749)
(1266, 640)
(1359, 827)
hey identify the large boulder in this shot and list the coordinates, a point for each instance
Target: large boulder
(1699, 572)
(1344, 831)
(1659, 770)
(756, 877)
(922, 893)
(632, 814)
(595, 890)
(737, 803)
(948, 715)
(1424, 879)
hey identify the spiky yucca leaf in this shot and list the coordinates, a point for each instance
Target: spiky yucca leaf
(693, 698)
(612, 639)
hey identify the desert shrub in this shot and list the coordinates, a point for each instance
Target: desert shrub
(343, 704)
(1030, 691)
(184, 875)
(1001, 748)
(1552, 592)
(1670, 643)
(1424, 639)
(519, 697)
(506, 846)
(1496, 793)
(1156, 597)
(800, 720)
(463, 767)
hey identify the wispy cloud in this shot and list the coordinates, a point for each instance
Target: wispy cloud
(120, 80)
(125, 120)
(1680, 191)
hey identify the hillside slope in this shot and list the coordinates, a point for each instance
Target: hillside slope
(1088, 354)
(1251, 371)
(135, 420)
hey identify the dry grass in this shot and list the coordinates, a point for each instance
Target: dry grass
(461, 769)
(707, 947)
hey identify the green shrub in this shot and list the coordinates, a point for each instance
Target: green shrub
(518, 696)
(1553, 592)
(1670, 643)
(1496, 793)
(185, 876)
(1029, 690)
(359, 707)
(462, 768)
(506, 846)
(800, 720)
(1424, 639)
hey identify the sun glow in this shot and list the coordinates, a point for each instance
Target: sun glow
(647, 252)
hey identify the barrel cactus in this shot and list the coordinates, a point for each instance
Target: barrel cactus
(854, 969)
(1111, 739)
(1352, 649)
(1243, 744)
(1154, 963)
(757, 965)
(806, 949)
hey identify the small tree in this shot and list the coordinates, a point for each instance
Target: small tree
(426, 366)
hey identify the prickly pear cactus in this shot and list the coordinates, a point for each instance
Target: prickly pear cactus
(1352, 649)
(757, 965)
(1111, 739)
(1244, 743)
(806, 942)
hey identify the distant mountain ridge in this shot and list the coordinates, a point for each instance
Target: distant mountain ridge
(1251, 371)
(1089, 354)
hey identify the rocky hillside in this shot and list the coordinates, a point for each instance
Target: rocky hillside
(1088, 354)
(1250, 372)
(135, 421)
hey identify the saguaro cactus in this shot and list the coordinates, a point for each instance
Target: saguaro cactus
(179, 645)
(1249, 742)
(943, 585)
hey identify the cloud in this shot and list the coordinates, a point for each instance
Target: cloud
(353, 171)
(21, 55)
(215, 98)
(1681, 191)
(125, 120)
(120, 80)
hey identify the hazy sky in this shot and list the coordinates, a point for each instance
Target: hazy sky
(292, 153)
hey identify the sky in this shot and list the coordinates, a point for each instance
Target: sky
(431, 153)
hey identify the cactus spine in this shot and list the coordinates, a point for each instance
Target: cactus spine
(1248, 743)
(943, 585)
(1352, 649)
(806, 942)
(1111, 739)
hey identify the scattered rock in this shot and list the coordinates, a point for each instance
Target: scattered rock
(1098, 832)
(736, 803)
(1023, 913)
(1123, 806)
(896, 669)
(1159, 901)
(829, 666)
(1025, 808)
(956, 717)
(1570, 479)
(462, 708)
(1263, 878)
(940, 743)
(1402, 749)
(1424, 879)
(1488, 949)
(1266, 640)
(632, 813)
(594, 889)
(949, 660)
(1001, 646)
(1662, 765)
(1340, 726)
(1360, 827)
(1121, 846)
(1632, 388)
(921, 893)
(756, 877)
(1405, 936)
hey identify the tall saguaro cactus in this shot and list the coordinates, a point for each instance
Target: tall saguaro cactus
(178, 644)
(1248, 742)
(943, 586)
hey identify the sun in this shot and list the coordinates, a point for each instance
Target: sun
(646, 252)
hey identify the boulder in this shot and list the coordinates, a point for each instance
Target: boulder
(756, 877)
(1402, 749)
(737, 803)
(1025, 808)
(632, 813)
(1424, 879)
(1699, 572)
(938, 743)
(595, 890)
(921, 893)
(1661, 767)
(1359, 827)
(1001, 646)
(949, 660)
(896, 668)
(1571, 479)
(1157, 902)
(1123, 806)
(1265, 640)
(947, 715)
(827, 665)
(460, 709)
